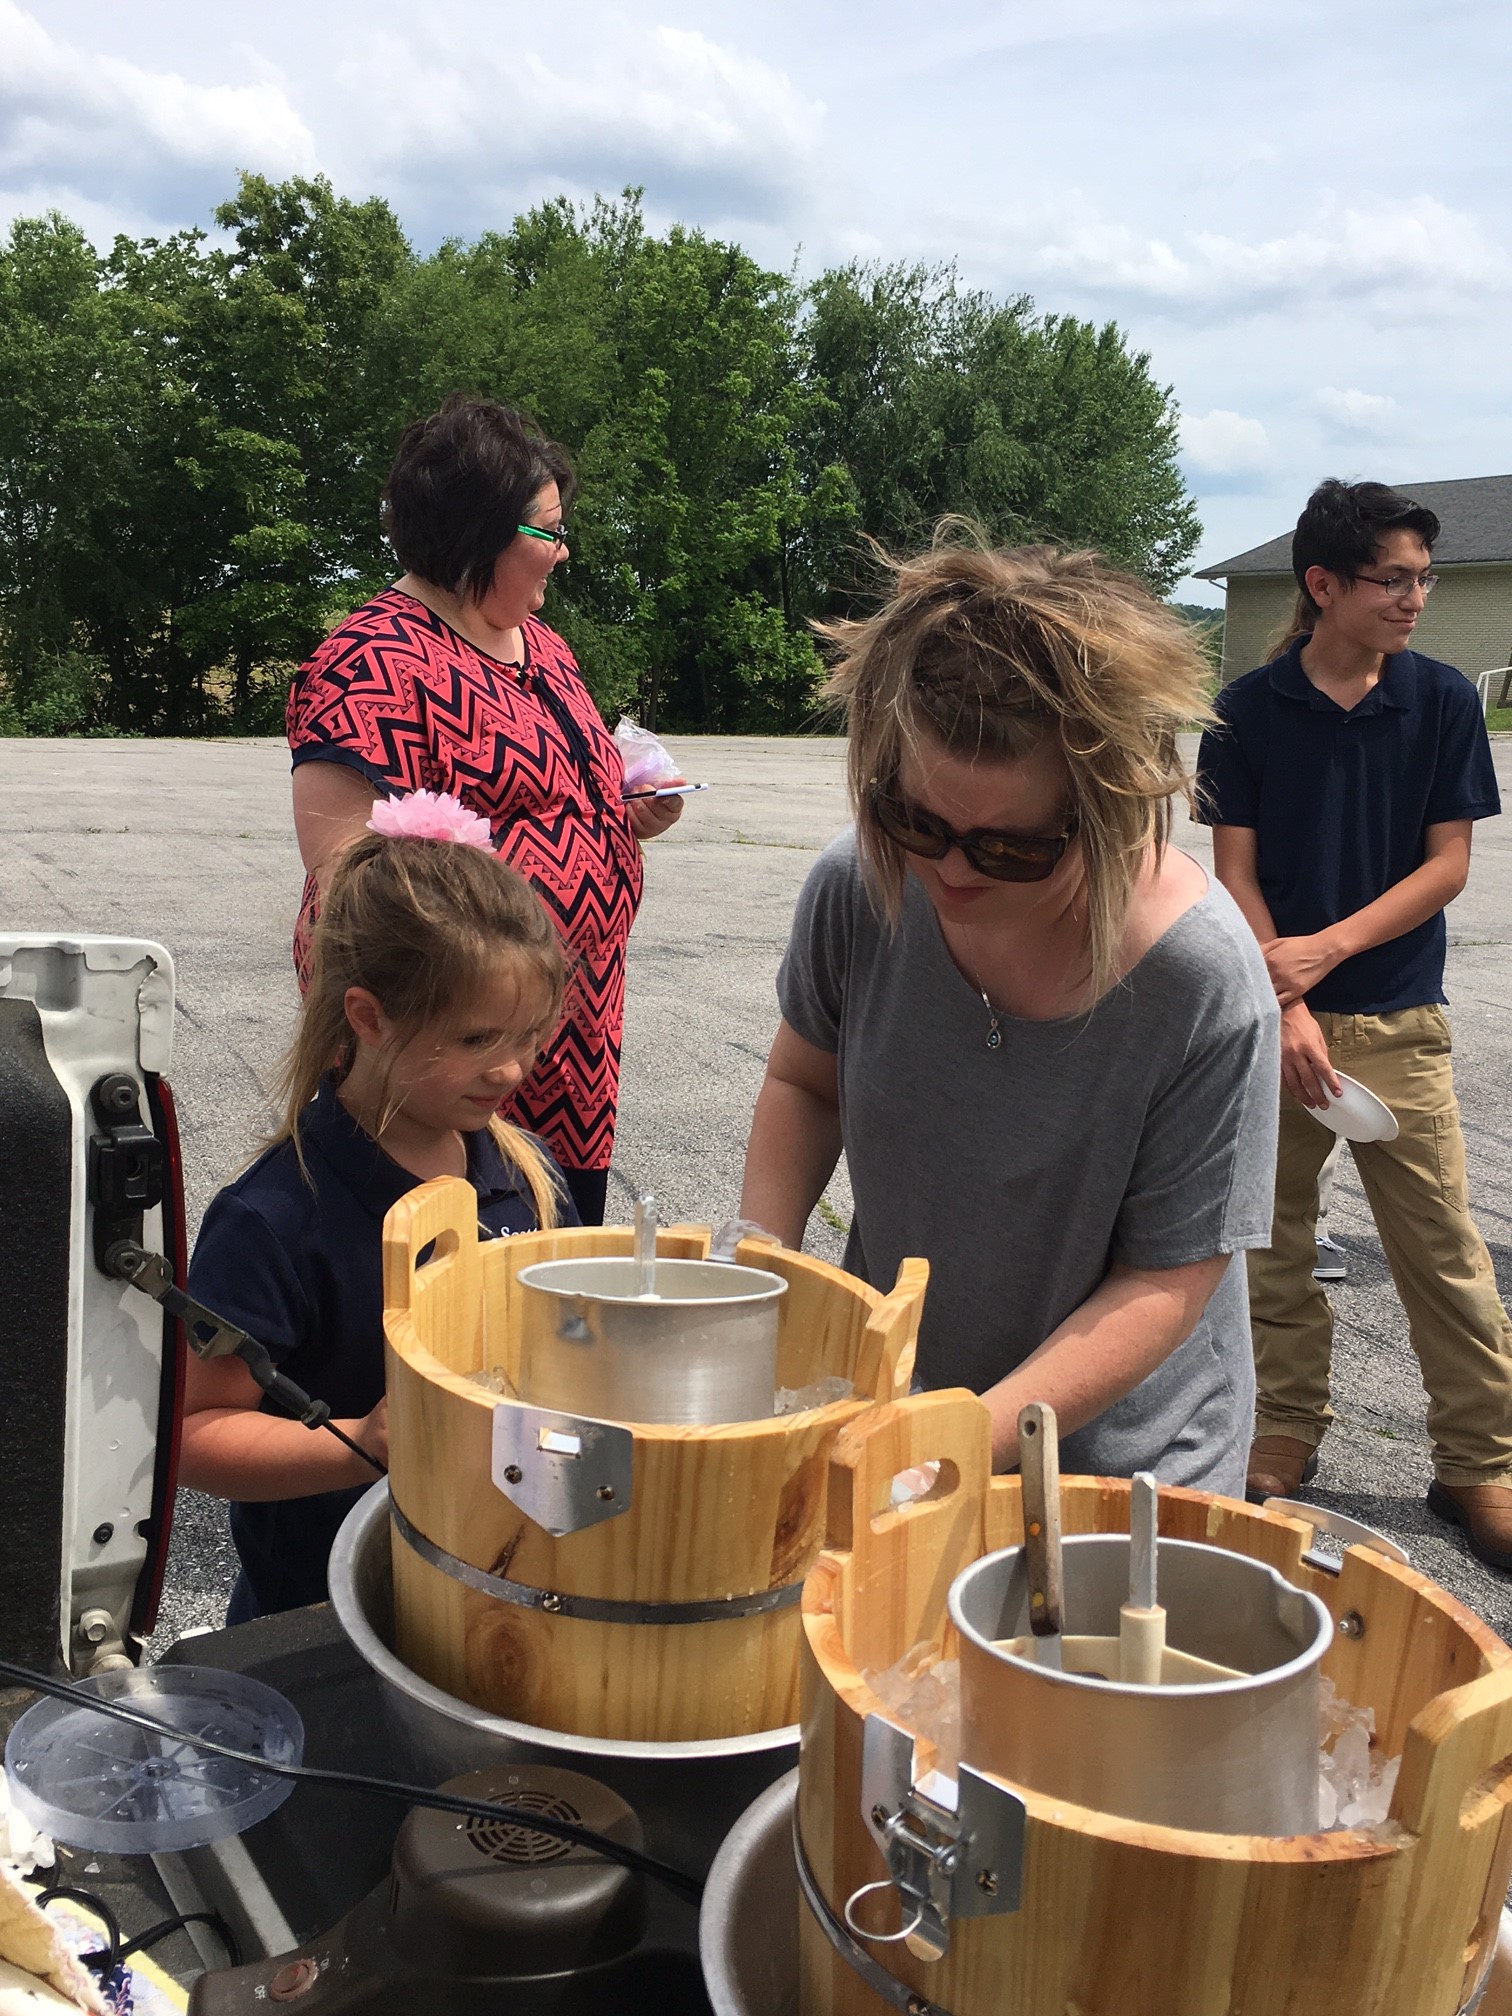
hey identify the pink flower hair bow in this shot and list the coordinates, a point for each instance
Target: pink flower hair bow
(430, 815)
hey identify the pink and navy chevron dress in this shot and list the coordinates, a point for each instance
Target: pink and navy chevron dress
(399, 695)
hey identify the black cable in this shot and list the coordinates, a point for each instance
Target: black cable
(105, 1960)
(177, 1923)
(210, 1335)
(294, 1401)
(676, 1880)
(355, 1447)
(50, 1885)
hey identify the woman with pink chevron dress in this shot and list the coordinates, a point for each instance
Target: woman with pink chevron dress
(450, 682)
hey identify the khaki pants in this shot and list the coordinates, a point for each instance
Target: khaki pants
(1418, 1196)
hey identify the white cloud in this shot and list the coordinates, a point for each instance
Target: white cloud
(1224, 444)
(1357, 412)
(1421, 256)
(117, 134)
(665, 106)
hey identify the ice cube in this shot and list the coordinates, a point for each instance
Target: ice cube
(822, 1393)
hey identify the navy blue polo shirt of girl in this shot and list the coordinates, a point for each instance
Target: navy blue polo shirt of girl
(437, 975)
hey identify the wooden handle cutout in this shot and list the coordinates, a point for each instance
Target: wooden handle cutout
(421, 1218)
(951, 1428)
(941, 1484)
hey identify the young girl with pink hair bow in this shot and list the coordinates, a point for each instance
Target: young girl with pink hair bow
(437, 975)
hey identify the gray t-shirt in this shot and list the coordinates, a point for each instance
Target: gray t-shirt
(1144, 1132)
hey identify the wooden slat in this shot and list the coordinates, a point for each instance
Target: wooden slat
(885, 1362)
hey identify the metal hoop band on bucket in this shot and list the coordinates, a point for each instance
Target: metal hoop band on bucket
(592, 1609)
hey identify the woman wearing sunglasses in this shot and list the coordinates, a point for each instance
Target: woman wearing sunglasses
(449, 681)
(1041, 1034)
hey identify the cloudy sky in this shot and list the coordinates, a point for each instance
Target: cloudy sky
(1300, 211)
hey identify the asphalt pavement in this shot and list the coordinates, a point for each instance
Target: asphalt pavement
(191, 844)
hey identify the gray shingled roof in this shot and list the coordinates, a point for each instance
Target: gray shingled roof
(1474, 511)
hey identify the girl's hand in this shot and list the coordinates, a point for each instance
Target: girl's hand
(1296, 965)
(1305, 1070)
(371, 1433)
(651, 816)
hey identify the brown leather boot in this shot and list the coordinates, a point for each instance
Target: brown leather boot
(1279, 1465)
(1485, 1512)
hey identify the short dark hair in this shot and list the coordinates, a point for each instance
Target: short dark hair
(461, 483)
(1345, 522)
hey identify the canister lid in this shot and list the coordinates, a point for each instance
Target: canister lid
(121, 1788)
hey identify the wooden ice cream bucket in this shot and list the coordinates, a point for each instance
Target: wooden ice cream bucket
(631, 1581)
(1075, 1909)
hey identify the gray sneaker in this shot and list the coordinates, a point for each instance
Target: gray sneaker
(1331, 1263)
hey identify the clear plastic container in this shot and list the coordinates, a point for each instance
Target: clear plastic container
(97, 1782)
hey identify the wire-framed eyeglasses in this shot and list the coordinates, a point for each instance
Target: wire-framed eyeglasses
(1399, 586)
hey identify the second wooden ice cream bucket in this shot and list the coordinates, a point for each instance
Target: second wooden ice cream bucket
(948, 1888)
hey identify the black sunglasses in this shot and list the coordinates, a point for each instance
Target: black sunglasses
(1006, 857)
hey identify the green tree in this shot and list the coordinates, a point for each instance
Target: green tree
(698, 511)
(194, 437)
(60, 362)
(203, 559)
(306, 291)
(941, 400)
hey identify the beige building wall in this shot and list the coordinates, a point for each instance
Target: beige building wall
(1257, 605)
(1467, 622)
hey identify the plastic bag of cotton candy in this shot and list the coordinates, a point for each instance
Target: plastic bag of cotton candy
(647, 762)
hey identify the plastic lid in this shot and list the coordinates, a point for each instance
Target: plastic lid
(97, 1782)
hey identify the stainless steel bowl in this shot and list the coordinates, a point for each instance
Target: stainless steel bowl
(748, 1922)
(688, 1795)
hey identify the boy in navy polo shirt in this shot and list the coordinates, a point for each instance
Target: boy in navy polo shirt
(1341, 784)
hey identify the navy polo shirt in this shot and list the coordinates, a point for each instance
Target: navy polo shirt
(1339, 800)
(300, 1268)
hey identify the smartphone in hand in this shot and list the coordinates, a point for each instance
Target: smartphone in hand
(666, 791)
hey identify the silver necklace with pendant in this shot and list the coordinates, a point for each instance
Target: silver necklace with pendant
(994, 1029)
(994, 1020)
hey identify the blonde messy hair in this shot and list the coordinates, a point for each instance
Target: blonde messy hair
(989, 652)
(420, 924)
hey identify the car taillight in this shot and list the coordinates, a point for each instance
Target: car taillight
(149, 1590)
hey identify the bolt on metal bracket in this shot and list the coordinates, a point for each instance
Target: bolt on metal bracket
(564, 1471)
(947, 1861)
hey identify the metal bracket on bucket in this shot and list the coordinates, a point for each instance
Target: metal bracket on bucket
(1353, 1532)
(947, 1861)
(564, 1471)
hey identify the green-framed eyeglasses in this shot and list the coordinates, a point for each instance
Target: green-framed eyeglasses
(557, 538)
